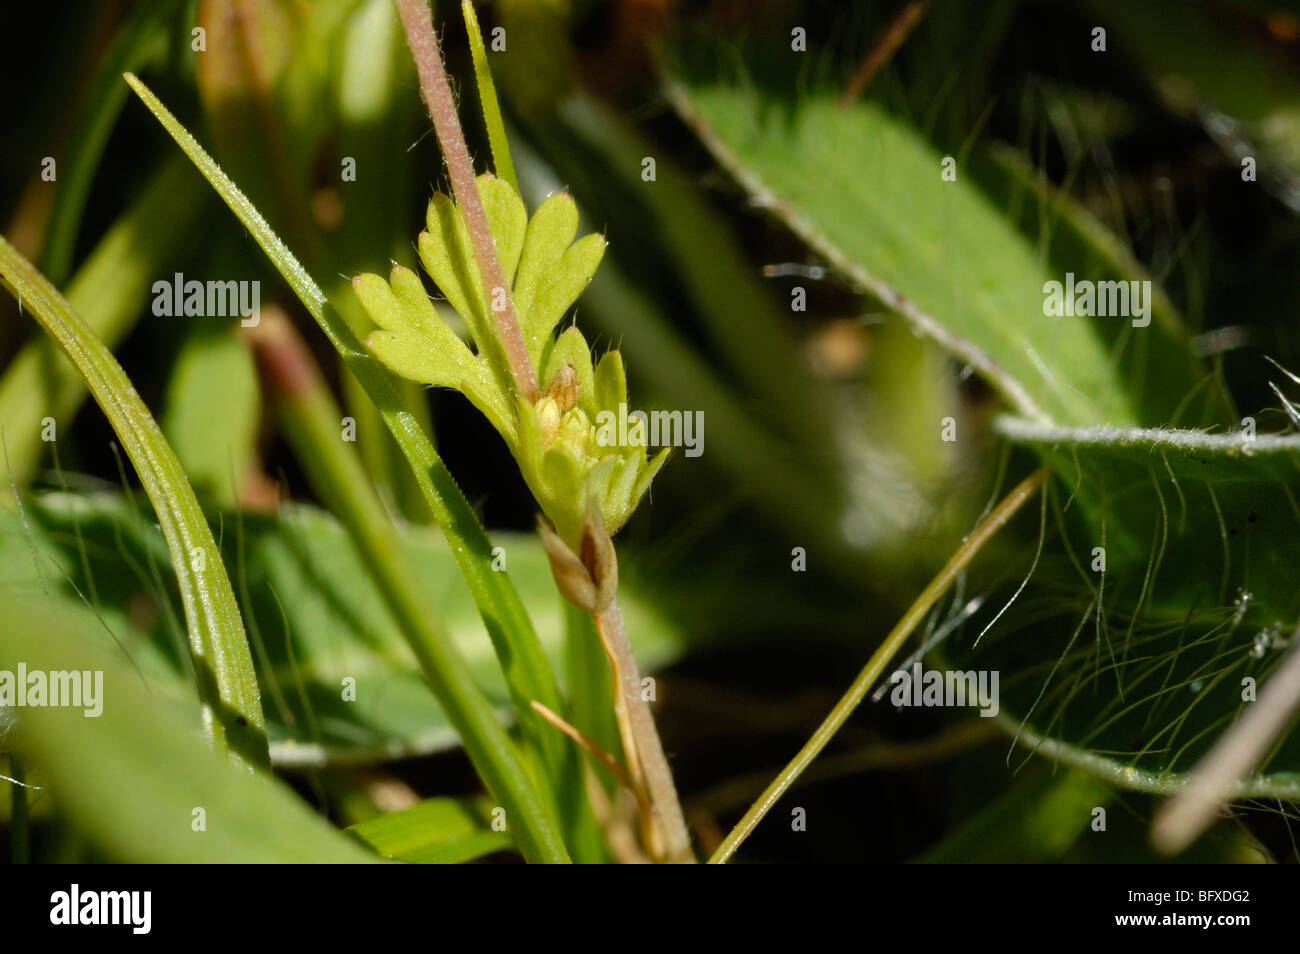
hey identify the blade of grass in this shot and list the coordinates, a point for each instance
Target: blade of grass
(487, 94)
(227, 683)
(522, 659)
(879, 660)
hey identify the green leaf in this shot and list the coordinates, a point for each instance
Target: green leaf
(487, 96)
(546, 268)
(213, 440)
(559, 287)
(438, 831)
(418, 345)
(951, 264)
(320, 618)
(223, 666)
(448, 255)
(1171, 583)
(436, 355)
(1169, 390)
(610, 383)
(552, 439)
(132, 778)
(551, 231)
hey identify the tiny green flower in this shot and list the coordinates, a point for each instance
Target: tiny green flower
(555, 439)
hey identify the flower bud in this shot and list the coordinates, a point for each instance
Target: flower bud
(563, 387)
(548, 419)
(575, 431)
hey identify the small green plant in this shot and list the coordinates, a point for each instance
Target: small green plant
(512, 278)
(554, 437)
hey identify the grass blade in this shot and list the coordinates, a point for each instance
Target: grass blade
(226, 681)
(93, 125)
(879, 660)
(487, 94)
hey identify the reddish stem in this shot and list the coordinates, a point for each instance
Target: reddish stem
(460, 168)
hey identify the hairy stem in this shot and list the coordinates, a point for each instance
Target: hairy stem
(879, 660)
(460, 168)
(642, 738)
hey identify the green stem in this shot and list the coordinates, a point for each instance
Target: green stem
(879, 660)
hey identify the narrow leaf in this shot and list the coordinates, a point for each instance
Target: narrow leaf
(487, 94)
(135, 779)
(227, 682)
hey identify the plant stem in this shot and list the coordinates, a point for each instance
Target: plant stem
(879, 660)
(460, 168)
(643, 750)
